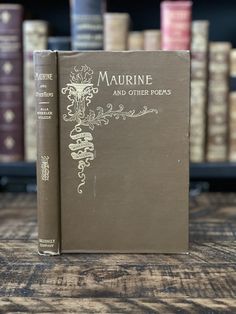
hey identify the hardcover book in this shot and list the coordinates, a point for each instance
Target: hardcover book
(34, 38)
(86, 24)
(218, 102)
(116, 31)
(11, 100)
(176, 24)
(199, 80)
(152, 39)
(113, 151)
(135, 41)
(232, 107)
(232, 70)
(232, 126)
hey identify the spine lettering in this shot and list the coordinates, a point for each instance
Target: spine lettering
(47, 152)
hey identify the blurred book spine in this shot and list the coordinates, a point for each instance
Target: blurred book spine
(176, 25)
(232, 107)
(232, 126)
(116, 28)
(233, 70)
(199, 76)
(152, 39)
(11, 100)
(59, 43)
(34, 38)
(218, 94)
(135, 41)
(86, 24)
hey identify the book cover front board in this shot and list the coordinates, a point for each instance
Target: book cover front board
(124, 151)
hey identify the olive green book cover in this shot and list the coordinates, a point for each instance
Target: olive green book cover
(123, 150)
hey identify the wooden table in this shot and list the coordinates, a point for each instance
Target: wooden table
(202, 282)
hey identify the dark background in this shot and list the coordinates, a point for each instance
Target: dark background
(145, 14)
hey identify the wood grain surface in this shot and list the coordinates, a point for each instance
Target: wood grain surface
(203, 281)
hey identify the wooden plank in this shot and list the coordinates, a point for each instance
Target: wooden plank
(202, 282)
(18, 223)
(117, 305)
(25, 252)
(111, 281)
(208, 231)
(18, 200)
(215, 207)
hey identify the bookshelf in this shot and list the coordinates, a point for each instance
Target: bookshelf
(18, 177)
(21, 176)
(145, 14)
(199, 171)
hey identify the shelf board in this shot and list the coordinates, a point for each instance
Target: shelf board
(225, 170)
(18, 169)
(197, 171)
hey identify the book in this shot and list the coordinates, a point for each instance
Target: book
(59, 43)
(116, 30)
(34, 38)
(233, 70)
(218, 102)
(199, 81)
(152, 39)
(108, 124)
(11, 77)
(86, 24)
(135, 41)
(176, 25)
(232, 126)
(47, 112)
(232, 107)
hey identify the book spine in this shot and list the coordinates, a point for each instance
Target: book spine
(152, 40)
(135, 41)
(86, 24)
(218, 92)
(232, 107)
(11, 98)
(176, 25)
(233, 70)
(199, 76)
(48, 181)
(34, 38)
(116, 28)
(232, 126)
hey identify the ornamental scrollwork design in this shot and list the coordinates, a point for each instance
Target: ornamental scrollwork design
(80, 92)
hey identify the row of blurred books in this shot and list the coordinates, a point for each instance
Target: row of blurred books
(213, 75)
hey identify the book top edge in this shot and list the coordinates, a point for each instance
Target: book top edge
(116, 15)
(10, 6)
(220, 46)
(200, 22)
(176, 5)
(34, 22)
(72, 52)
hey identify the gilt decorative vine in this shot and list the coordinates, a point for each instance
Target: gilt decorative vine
(79, 92)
